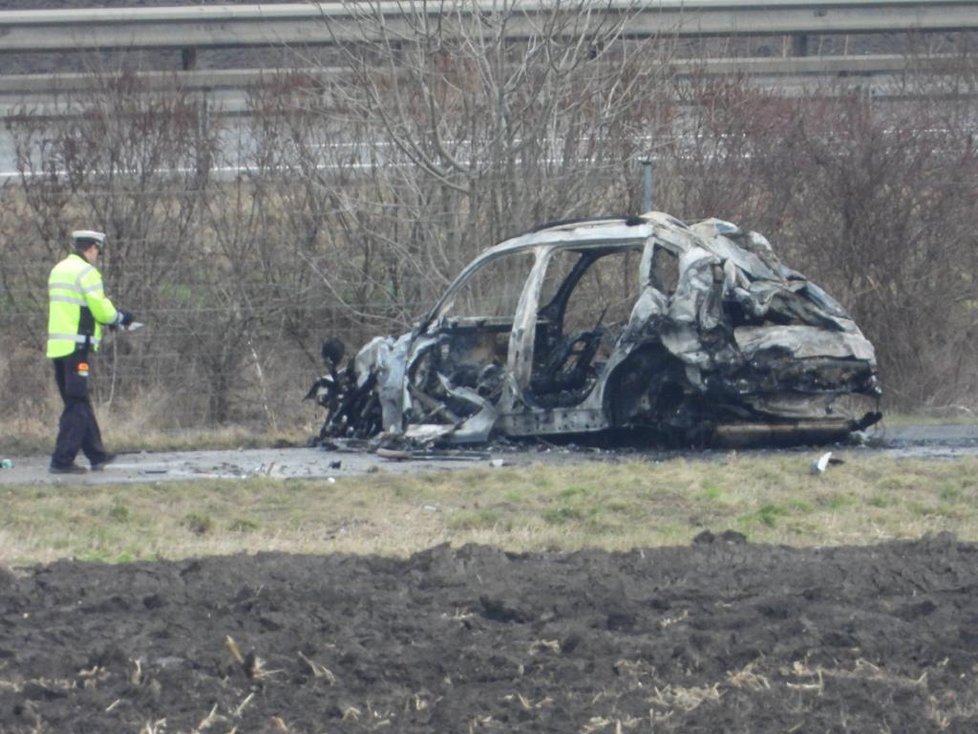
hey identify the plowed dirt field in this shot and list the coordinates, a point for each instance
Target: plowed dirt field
(721, 636)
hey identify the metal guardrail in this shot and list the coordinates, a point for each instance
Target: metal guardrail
(228, 26)
(222, 26)
(882, 76)
(772, 67)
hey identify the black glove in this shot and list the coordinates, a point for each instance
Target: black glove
(125, 318)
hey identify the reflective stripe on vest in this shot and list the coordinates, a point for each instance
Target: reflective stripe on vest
(77, 338)
(67, 299)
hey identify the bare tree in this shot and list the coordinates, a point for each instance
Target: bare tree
(480, 137)
(131, 160)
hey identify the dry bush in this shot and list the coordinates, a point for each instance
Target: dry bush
(879, 213)
(871, 198)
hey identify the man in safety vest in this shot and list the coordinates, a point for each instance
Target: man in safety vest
(78, 308)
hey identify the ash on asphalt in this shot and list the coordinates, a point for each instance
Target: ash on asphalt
(354, 459)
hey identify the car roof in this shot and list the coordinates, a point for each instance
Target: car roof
(597, 233)
(605, 231)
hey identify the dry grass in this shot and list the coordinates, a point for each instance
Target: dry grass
(136, 425)
(616, 506)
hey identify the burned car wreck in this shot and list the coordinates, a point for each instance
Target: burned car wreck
(686, 334)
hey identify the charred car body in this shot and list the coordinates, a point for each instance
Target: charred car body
(691, 334)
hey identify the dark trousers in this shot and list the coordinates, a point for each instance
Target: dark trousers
(78, 429)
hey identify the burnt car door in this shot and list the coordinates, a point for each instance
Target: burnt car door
(519, 340)
(457, 364)
(575, 308)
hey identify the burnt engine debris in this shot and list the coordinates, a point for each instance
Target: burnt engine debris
(690, 334)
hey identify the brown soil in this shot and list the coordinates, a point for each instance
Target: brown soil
(720, 636)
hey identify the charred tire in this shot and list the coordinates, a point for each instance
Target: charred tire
(647, 389)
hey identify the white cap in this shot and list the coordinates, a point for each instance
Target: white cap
(89, 236)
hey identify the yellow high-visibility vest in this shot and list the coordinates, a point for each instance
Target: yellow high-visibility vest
(77, 306)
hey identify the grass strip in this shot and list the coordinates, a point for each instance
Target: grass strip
(610, 505)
